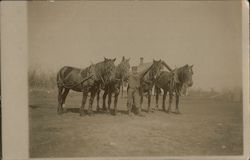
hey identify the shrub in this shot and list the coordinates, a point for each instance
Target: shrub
(41, 79)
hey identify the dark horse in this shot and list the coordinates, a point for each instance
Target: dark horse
(85, 80)
(173, 82)
(149, 80)
(121, 74)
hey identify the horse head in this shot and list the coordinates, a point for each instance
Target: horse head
(156, 68)
(123, 68)
(186, 75)
(108, 69)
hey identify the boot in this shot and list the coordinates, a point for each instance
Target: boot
(139, 113)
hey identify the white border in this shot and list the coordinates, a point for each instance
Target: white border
(14, 79)
(15, 87)
(246, 78)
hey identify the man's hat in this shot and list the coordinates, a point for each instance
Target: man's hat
(134, 68)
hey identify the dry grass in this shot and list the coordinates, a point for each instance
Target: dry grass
(205, 127)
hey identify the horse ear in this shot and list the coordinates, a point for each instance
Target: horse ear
(105, 58)
(114, 59)
(123, 58)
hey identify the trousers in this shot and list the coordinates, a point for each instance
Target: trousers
(133, 98)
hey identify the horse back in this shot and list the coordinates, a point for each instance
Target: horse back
(68, 75)
(163, 80)
(67, 70)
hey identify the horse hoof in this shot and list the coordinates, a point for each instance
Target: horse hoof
(130, 114)
(115, 112)
(90, 112)
(177, 112)
(167, 111)
(140, 115)
(156, 107)
(59, 113)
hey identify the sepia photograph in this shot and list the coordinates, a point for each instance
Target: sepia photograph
(134, 79)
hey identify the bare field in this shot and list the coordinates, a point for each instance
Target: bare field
(205, 127)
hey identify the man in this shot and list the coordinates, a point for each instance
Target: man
(134, 86)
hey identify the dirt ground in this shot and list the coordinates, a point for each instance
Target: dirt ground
(204, 127)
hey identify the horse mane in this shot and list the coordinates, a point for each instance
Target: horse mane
(86, 71)
(151, 74)
(121, 70)
(143, 67)
(98, 70)
(180, 73)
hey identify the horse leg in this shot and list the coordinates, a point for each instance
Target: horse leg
(115, 103)
(64, 95)
(109, 99)
(164, 101)
(170, 101)
(156, 96)
(141, 100)
(97, 101)
(176, 104)
(84, 98)
(104, 100)
(59, 108)
(116, 92)
(91, 100)
(149, 101)
(122, 88)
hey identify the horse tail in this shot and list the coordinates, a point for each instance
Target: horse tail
(59, 77)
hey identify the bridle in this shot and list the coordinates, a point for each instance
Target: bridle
(180, 77)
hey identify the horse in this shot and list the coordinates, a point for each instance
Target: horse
(149, 79)
(173, 82)
(121, 74)
(85, 80)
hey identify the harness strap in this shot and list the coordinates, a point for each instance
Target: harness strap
(175, 83)
(81, 82)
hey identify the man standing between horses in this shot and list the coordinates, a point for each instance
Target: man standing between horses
(134, 86)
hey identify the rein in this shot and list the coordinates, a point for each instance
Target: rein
(150, 78)
(69, 86)
(98, 75)
(74, 85)
(177, 85)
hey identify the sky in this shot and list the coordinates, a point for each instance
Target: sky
(206, 34)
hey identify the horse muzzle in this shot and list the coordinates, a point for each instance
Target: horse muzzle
(190, 84)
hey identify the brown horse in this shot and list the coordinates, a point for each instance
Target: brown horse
(149, 80)
(85, 80)
(121, 74)
(171, 82)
